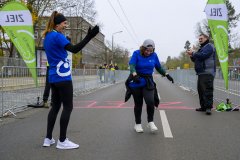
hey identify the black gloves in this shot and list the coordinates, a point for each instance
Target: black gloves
(68, 38)
(170, 78)
(136, 79)
(93, 32)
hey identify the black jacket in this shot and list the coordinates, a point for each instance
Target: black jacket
(150, 86)
(116, 68)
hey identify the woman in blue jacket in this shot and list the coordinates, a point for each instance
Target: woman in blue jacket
(55, 45)
(140, 82)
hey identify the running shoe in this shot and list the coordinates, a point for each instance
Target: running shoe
(138, 128)
(66, 144)
(48, 142)
(152, 126)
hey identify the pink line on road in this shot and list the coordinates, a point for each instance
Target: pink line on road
(115, 101)
(119, 104)
(169, 107)
(91, 104)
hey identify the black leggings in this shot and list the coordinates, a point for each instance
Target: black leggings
(62, 92)
(138, 95)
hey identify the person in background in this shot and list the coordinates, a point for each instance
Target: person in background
(205, 66)
(110, 66)
(46, 90)
(100, 72)
(112, 74)
(106, 74)
(116, 67)
(116, 72)
(105, 64)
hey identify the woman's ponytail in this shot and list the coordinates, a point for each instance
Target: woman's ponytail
(50, 24)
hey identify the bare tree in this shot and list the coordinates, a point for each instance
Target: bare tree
(120, 56)
(43, 8)
(36, 7)
(233, 18)
(84, 15)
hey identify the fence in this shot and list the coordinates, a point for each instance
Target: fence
(19, 90)
(188, 79)
(18, 87)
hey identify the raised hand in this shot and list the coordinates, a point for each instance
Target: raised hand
(93, 32)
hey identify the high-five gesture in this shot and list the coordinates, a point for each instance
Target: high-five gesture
(93, 32)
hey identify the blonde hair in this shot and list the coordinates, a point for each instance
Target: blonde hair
(142, 50)
(51, 24)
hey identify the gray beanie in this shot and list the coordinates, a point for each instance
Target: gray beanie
(148, 42)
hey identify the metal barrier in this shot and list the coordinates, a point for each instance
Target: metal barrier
(18, 87)
(19, 90)
(187, 78)
(84, 80)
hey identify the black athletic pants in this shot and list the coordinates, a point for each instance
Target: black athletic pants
(138, 95)
(205, 90)
(62, 92)
(47, 87)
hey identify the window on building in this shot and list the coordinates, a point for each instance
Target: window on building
(4, 53)
(68, 23)
(67, 33)
(43, 23)
(36, 35)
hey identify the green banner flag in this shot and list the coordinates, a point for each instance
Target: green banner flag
(217, 15)
(16, 20)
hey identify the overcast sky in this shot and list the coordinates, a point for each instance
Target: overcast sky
(170, 23)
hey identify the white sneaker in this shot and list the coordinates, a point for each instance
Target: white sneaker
(48, 142)
(138, 128)
(152, 126)
(66, 144)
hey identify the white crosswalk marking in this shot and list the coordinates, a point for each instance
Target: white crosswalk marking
(159, 96)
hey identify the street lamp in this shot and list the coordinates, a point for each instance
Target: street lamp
(112, 44)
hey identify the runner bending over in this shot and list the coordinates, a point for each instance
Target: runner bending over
(141, 85)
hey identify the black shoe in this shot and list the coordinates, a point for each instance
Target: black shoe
(208, 111)
(200, 109)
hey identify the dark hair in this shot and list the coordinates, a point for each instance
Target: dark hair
(142, 50)
(204, 35)
(51, 24)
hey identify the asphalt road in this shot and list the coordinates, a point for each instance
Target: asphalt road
(103, 127)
